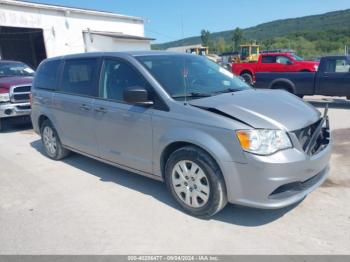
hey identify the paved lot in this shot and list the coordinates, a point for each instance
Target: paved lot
(81, 206)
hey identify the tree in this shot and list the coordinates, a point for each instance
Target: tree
(221, 45)
(268, 43)
(205, 37)
(237, 38)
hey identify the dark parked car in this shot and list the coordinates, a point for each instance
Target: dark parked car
(331, 79)
(15, 84)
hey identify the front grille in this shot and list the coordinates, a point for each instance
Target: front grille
(26, 107)
(18, 89)
(304, 136)
(20, 94)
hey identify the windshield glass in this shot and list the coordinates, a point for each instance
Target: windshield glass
(297, 58)
(191, 76)
(15, 69)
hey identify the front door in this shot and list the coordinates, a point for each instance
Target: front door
(334, 78)
(123, 131)
(73, 105)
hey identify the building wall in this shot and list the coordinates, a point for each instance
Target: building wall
(63, 31)
(95, 42)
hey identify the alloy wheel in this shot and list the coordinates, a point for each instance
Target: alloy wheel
(50, 140)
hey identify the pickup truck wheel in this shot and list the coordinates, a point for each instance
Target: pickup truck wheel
(248, 78)
(348, 97)
(51, 142)
(195, 181)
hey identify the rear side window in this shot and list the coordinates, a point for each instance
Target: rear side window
(268, 59)
(79, 77)
(47, 75)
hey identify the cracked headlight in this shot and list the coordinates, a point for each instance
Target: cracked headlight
(263, 141)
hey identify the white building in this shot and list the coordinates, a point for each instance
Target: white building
(31, 32)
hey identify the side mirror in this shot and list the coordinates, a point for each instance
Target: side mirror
(289, 62)
(136, 95)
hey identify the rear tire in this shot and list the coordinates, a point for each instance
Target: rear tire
(51, 142)
(196, 182)
(248, 78)
(283, 87)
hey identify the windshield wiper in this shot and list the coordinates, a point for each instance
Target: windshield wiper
(228, 90)
(192, 94)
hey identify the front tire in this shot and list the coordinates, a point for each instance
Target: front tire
(196, 182)
(51, 142)
(248, 78)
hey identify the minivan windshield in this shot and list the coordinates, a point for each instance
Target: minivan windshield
(191, 76)
(15, 69)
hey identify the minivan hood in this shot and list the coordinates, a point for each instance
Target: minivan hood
(270, 109)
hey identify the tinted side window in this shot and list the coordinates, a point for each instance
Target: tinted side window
(268, 59)
(116, 77)
(79, 77)
(47, 75)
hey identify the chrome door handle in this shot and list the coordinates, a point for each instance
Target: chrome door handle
(85, 107)
(101, 110)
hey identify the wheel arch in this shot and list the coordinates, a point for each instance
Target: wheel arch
(41, 120)
(289, 85)
(246, 71)
(211, 146)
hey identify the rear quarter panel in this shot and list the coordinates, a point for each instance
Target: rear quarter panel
(237, 69)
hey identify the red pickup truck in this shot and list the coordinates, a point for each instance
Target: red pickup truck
(273, 62)
(15, 85)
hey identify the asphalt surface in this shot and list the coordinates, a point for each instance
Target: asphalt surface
(81, 206)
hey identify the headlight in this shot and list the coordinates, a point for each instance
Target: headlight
(263, 141)
(5, 97)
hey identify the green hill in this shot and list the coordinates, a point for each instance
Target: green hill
(337, 21)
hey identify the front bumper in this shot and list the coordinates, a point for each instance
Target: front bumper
(276, 181)
(14, 109)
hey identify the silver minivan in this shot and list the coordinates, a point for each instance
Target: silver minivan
(184, 120)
